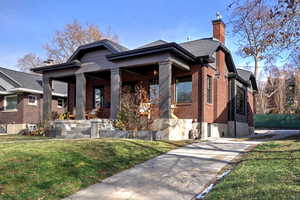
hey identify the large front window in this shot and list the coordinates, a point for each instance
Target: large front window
(98, 97)
(184, 89)
(10, 102)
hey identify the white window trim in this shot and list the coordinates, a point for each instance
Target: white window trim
(5, 103)
(35, 102)
(62, 103)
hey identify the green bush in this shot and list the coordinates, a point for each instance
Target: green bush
(276, 121)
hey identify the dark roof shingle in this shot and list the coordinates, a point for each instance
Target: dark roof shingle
(32, 81)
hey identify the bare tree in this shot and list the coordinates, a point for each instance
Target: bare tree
(249, 19)
(64, 43)
(266, 30)
(29, 61)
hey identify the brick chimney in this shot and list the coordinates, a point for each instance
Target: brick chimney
(219, 29)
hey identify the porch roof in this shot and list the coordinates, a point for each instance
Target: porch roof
(196, 51)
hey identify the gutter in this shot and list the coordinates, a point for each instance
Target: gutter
(73, 64)
(30, 91)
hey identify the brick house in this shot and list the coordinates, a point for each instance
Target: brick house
(197, 81)
(21, 99)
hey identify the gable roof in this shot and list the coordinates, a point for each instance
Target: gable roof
(32, 81)
(154, 43)
(248, 77)
(196, 51)
(108, 44)
(201, 47)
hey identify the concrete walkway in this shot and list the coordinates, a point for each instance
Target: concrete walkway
(178, 175)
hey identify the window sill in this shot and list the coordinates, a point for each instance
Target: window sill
(12, 110)
(31, 104)
(183, 104)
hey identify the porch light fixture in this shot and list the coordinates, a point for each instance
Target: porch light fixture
(155, 72)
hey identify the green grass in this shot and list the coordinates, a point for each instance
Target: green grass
(11, 138)
(271, 171)
(56, 169)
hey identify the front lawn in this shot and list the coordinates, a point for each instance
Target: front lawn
(10, 138)
(56, 169)
(271, 171)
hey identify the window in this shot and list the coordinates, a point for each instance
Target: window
(60, 103)
(10, 102)
(209, 89)
(184, 89)
(98, 97)
(240, 100)
(209, 129)
(32, 100)
(154, 91)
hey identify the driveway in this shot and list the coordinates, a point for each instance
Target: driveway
(179, 174)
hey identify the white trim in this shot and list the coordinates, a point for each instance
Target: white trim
(63, 102)
(35, 91)
(5, 104)
(35, 100)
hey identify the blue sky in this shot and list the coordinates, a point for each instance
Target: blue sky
(26, 25)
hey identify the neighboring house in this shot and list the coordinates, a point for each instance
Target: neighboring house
(21, 99)
(198, 79)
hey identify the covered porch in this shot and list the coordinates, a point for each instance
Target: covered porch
(97, 93)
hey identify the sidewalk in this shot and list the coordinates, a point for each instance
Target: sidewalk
(178, 175)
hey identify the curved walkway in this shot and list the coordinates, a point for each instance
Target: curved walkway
(178, 175)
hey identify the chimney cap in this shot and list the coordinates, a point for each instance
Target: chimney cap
(218, 16)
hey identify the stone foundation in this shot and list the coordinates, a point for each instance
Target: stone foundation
(14, 128)
(161, 129)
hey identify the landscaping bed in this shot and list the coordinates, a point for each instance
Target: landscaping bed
(270, 171)
(56, 169)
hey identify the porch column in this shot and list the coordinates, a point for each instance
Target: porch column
(165, 88)
(80, 96)
(47, 98)
(115, 92)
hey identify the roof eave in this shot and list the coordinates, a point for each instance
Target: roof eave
(173, 47)
(55, 67)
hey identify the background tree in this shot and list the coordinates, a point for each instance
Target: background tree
(249, 19)
(29, 61)
(64, 43)
(265, 30)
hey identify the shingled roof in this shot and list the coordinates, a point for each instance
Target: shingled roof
(32, 81)
(247, 76)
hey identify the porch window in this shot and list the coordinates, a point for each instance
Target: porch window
(98, 97)
(240, 100)
(184, 89)
(154, 91)
(10, 102)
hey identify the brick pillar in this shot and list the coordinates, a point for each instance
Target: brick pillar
(115, 92)
(80, 96)
(165, 89)
(47, 98)
(196, 92)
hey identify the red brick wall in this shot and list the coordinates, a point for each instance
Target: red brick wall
(12, 117)
(26, 113)
(222, 90)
